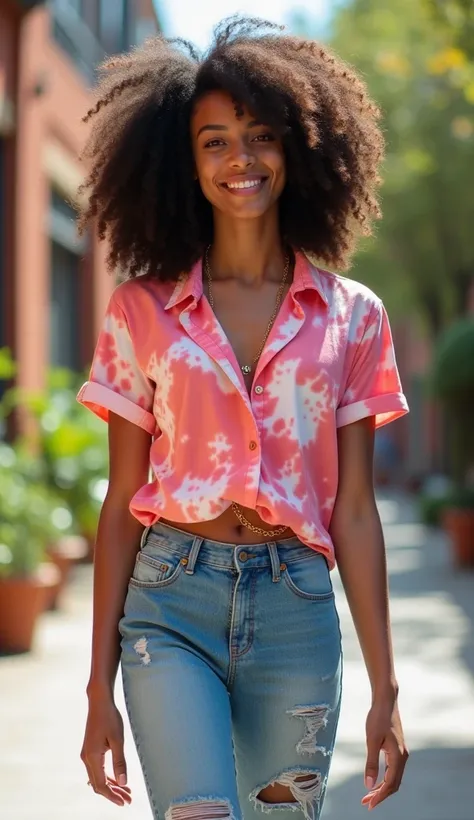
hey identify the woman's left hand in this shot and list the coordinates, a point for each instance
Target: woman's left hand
(384, 733)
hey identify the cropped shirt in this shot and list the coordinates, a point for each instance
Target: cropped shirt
(163, 362)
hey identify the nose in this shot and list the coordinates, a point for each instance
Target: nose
(242, 157)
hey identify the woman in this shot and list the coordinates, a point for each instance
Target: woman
(250, 381)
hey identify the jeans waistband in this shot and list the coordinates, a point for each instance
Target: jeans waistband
(221, 554)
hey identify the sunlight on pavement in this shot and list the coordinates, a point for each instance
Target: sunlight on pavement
(431, 631)
(43, 707)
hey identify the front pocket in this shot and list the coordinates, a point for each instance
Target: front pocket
(309, 578)
(155, 572)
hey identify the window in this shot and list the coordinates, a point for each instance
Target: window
(62, 224)
(75, 5)
(64, 308)
(112, 25)
(144, 28)
(74, 34)
(65, 303)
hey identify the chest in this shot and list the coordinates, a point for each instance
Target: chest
(246, 317)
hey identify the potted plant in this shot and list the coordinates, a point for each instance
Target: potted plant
(75, 454)
(453, 384)
(30, 518)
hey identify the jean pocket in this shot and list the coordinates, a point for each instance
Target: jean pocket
(309, 577)
(156, 571)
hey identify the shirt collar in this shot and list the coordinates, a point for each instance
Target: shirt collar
(306, 276)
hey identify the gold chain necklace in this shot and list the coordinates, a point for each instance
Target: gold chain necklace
(246, 369)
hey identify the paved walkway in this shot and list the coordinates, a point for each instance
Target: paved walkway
(42, 706)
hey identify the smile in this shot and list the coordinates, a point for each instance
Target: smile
(245, 186)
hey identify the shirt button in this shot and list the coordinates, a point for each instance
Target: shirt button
(259, 389)
(243, 556)
(252, 445)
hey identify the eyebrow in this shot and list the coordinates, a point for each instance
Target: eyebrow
(252, 124)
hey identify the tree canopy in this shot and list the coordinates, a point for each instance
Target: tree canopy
(417, 58)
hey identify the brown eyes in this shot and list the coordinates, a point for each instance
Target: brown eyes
(259, 138)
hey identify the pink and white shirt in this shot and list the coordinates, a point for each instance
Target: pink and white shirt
(163, 362)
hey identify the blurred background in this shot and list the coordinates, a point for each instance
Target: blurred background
(417, 57)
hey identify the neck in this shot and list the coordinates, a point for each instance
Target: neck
(249, 250)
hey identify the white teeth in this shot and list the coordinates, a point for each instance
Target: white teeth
(246, 184)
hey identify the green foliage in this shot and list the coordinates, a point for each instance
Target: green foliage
(453, 365)
(462, 499)
(431, 508)
(422, 259)
(452, 382)
(74, 448)
(7, 365)
(31, 516)
(456, 17)
(72, 444)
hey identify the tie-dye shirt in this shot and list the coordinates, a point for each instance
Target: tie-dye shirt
(163, 362)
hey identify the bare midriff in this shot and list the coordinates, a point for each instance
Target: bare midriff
(228, 529)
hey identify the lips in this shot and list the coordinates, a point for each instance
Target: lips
(241, 184)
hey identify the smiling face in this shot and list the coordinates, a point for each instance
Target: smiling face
(239, 162)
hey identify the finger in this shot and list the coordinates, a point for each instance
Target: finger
(372, 764)
(118, 761)
(124, 791)
(389, 785)
(99, 781)
(122, 788)
(369, 797)
(379, 795)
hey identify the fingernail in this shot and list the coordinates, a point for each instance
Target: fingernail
(370, 782)
(122, 780)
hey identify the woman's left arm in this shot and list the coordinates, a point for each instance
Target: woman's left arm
(360, 553)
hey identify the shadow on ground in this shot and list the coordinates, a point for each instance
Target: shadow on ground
(425, 779)
(421, 564)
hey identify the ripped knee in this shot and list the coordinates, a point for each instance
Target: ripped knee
(278, 793)
(294, 789)
(200, 808)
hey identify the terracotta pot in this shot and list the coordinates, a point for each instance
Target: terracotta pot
(67, 551)
(50, 580)
(459, 525)
(88, 558)
(21, 601)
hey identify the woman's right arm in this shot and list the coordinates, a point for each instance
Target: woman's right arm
(117, 544)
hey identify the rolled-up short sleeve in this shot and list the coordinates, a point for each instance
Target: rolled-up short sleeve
(116, 382)
(373, 385)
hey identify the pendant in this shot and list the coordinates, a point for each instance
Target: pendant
(246, 368)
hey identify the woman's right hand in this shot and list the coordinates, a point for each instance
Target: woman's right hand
(104, 732)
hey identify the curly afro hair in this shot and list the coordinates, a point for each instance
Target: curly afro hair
(141, 189)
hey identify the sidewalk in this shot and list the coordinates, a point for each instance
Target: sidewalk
(43, 708)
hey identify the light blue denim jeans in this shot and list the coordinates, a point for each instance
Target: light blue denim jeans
(231, 663)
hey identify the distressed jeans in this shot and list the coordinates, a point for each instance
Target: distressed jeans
(231, 664)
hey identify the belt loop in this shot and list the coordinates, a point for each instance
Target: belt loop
(275, 561)
(194, 552)
(144, 536)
